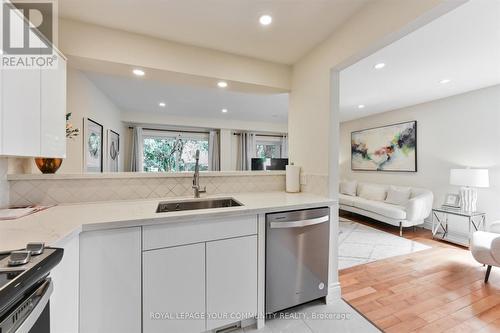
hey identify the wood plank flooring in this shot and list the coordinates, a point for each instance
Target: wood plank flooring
(435, 290)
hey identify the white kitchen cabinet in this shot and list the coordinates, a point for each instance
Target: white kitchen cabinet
(174, 284)
(64, 301)
(53, 110)
(231, 280)
(110, 281)
(21, 112)
(32, 105)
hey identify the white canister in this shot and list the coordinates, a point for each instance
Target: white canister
(292, 178)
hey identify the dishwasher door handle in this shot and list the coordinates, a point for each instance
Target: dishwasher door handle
(300, 223)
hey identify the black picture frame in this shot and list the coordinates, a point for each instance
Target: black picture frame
(415, 168)
(91, 127)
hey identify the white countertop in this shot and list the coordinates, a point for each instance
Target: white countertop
(56, 224)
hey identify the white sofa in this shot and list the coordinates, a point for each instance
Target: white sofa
(408, 213)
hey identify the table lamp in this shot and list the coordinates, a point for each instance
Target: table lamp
(469, 180)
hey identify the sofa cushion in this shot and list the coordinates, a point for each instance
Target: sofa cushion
(372, 192)
(398, 195)
(388, 210)
(346, 200)
(348, 187)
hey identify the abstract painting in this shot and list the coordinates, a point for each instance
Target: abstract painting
(387, 148)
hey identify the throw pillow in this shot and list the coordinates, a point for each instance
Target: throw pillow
(373, 192)
(398, 196)
(348, 187)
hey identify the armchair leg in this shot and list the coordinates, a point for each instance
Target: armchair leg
(400, 229)
(488, 270)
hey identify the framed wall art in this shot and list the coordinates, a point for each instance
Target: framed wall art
(113, 151)
(92, 146)
(386, 148)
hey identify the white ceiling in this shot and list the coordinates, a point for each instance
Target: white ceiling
(462, 45)
(141, 95)
(226, 25)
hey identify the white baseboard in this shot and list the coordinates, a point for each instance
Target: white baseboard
(334, 293)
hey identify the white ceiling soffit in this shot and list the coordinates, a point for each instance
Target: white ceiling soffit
(141, 95)
(225, 25)
(167, 77)
(462, 46)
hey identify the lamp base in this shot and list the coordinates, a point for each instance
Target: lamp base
(468, 197)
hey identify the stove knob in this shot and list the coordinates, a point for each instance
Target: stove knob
(35, 248)
(18, 258)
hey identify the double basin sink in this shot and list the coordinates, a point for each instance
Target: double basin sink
(176, 206)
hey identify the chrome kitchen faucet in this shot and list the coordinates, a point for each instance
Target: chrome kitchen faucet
(196, 177)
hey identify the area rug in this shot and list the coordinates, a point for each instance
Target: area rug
(361, 244)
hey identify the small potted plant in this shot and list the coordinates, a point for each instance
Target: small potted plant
(51, 165)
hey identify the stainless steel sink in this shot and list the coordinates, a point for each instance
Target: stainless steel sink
(175, 206)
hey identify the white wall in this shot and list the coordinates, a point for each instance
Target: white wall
(4, 184)
(309, 115)
(85, 100)
(455, 132)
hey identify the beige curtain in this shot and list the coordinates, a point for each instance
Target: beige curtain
(246, 151)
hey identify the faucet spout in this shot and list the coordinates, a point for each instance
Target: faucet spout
(196, 177)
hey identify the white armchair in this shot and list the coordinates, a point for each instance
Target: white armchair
(485, 247)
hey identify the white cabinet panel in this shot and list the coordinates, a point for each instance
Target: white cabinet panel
(64, 300)
(53, 110)
(110, 281)
(187, 232)
(21, 112)
(231, 280)
(174, 283)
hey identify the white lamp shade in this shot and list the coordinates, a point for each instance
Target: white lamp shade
(470, 177)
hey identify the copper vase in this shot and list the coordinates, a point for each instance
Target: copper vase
(48, 165)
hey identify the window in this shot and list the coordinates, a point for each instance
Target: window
(167, 151)
(267, 146)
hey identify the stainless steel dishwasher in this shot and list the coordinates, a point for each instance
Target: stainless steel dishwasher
(297, 251)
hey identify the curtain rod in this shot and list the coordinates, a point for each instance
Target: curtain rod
(167, 130)
(266, 135)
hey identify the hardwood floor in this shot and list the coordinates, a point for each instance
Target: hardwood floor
(435, 290)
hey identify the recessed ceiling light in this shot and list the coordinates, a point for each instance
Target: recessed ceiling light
(266, 19)
(445, 81)
(138, 72)
(361, 106)
(162, 104)
(379, 65)
(222, 84)
(224, 110)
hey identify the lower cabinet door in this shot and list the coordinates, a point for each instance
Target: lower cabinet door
(174, 289)
(110, 281)
(231, 281)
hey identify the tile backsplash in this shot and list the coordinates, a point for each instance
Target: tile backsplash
(72, 190)
(315, 184)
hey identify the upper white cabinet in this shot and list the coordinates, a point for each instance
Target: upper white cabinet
(21, 112)
(33, 106)
(53, 111)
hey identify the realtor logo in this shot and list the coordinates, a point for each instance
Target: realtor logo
(28, 30)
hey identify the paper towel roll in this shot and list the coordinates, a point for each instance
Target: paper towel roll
(292, 178)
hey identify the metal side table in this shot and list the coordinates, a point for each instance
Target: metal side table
(476, 220)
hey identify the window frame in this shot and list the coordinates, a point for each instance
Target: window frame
(267, 141)
(172, 134)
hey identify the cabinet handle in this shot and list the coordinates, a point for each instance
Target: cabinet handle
(300, 223)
